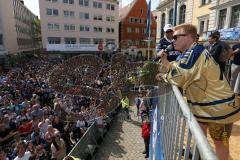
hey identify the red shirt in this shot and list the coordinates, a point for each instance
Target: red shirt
(25, 128)
(145, 130)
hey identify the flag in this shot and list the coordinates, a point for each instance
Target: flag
(148, 29)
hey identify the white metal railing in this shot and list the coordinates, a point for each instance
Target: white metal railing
(180, 134)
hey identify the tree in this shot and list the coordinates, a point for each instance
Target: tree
(37, 32)
(148, 73)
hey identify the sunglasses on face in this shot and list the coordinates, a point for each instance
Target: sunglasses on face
(175, 37)
(169, 31)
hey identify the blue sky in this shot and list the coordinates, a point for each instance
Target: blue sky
(33, 5)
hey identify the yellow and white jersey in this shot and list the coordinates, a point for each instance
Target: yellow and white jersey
(210, 99)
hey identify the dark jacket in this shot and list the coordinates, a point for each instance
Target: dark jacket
(215, 51)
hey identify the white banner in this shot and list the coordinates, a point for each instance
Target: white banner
(73, 47)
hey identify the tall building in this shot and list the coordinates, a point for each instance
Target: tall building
(16, 27)
(133, 20)
(83, 23)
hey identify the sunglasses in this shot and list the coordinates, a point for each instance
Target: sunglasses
(170, 31)
(175, 37)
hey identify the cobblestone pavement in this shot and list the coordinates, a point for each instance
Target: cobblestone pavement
(123, 141)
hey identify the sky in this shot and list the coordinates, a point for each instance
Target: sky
(33, 5)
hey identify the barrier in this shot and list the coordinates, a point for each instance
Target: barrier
(237, 85)
(87, 144)
(89, 141)
(175, 133)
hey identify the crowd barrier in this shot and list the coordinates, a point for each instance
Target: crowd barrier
(175, 133)
(237, 85)
(88, 143)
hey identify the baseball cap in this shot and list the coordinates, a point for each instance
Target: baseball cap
(168, 27)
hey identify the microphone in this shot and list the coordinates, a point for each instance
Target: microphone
(166, 50)
(169, 48)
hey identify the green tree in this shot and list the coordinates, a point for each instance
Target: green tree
(148, 73)
(37, 36)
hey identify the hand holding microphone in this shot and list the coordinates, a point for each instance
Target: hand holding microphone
(165, 52)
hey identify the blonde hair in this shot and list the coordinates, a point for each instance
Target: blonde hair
(189, 29)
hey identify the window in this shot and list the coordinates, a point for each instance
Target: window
(131, 20)
(110, 18)
(97, 4)
(129, 29)
(235, 18)
(70, 40)
(84, 40)
(110, 7)
(72, 27)
(52, 12)
(84, 3)
(137, 30)
(109, 30)
(203, 2)
(68, 13)
(54, 40)
(201, 27)
(171, 16)
(1, 39)
(68, 1)
(53, 26)
(222, 18)
(97, 40)
(69, 27)
(97, 29)
(83, 15)
(52, 0)
(84, 28)
(162, 24)
(182, 14)
(141, 11)
(97, 17)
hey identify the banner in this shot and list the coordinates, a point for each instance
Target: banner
(155, 148)
(108, 47)
(232, 34)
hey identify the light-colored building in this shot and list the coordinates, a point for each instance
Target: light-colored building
(16, 27)
(200, 17)
(207, 15)
(224, 14)
(82, 23)
(165, 14)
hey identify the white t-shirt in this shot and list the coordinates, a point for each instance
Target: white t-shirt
(25, 157)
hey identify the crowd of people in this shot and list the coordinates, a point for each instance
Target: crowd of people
(46, 106)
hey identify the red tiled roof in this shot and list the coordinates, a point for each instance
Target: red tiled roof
(123, 12)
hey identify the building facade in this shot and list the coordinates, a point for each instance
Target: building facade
(165, 14)
(224, 14)
(82, 23)
(207, 15)
(133, 22)
(16, 27)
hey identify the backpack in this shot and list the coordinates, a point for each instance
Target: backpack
(223, 57)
